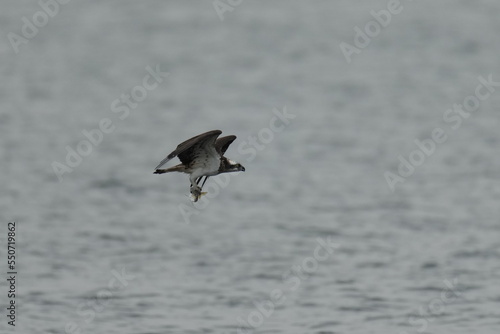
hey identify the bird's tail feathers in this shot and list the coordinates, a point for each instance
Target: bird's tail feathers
(176, 168)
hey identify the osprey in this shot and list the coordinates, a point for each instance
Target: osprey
(202, 156)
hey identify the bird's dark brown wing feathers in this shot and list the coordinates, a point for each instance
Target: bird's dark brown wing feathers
(223, 143)
(185, 149)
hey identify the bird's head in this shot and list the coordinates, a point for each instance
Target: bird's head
(233, 166)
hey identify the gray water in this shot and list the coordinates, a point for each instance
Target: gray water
(246, 258)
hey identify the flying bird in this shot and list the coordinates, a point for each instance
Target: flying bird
(202, 156)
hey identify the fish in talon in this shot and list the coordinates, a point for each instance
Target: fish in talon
(195, 198)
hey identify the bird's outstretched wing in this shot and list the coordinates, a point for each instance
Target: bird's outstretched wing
(223, 143)
(186, 149)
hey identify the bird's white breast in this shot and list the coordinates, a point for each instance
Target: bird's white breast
(207, 164)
